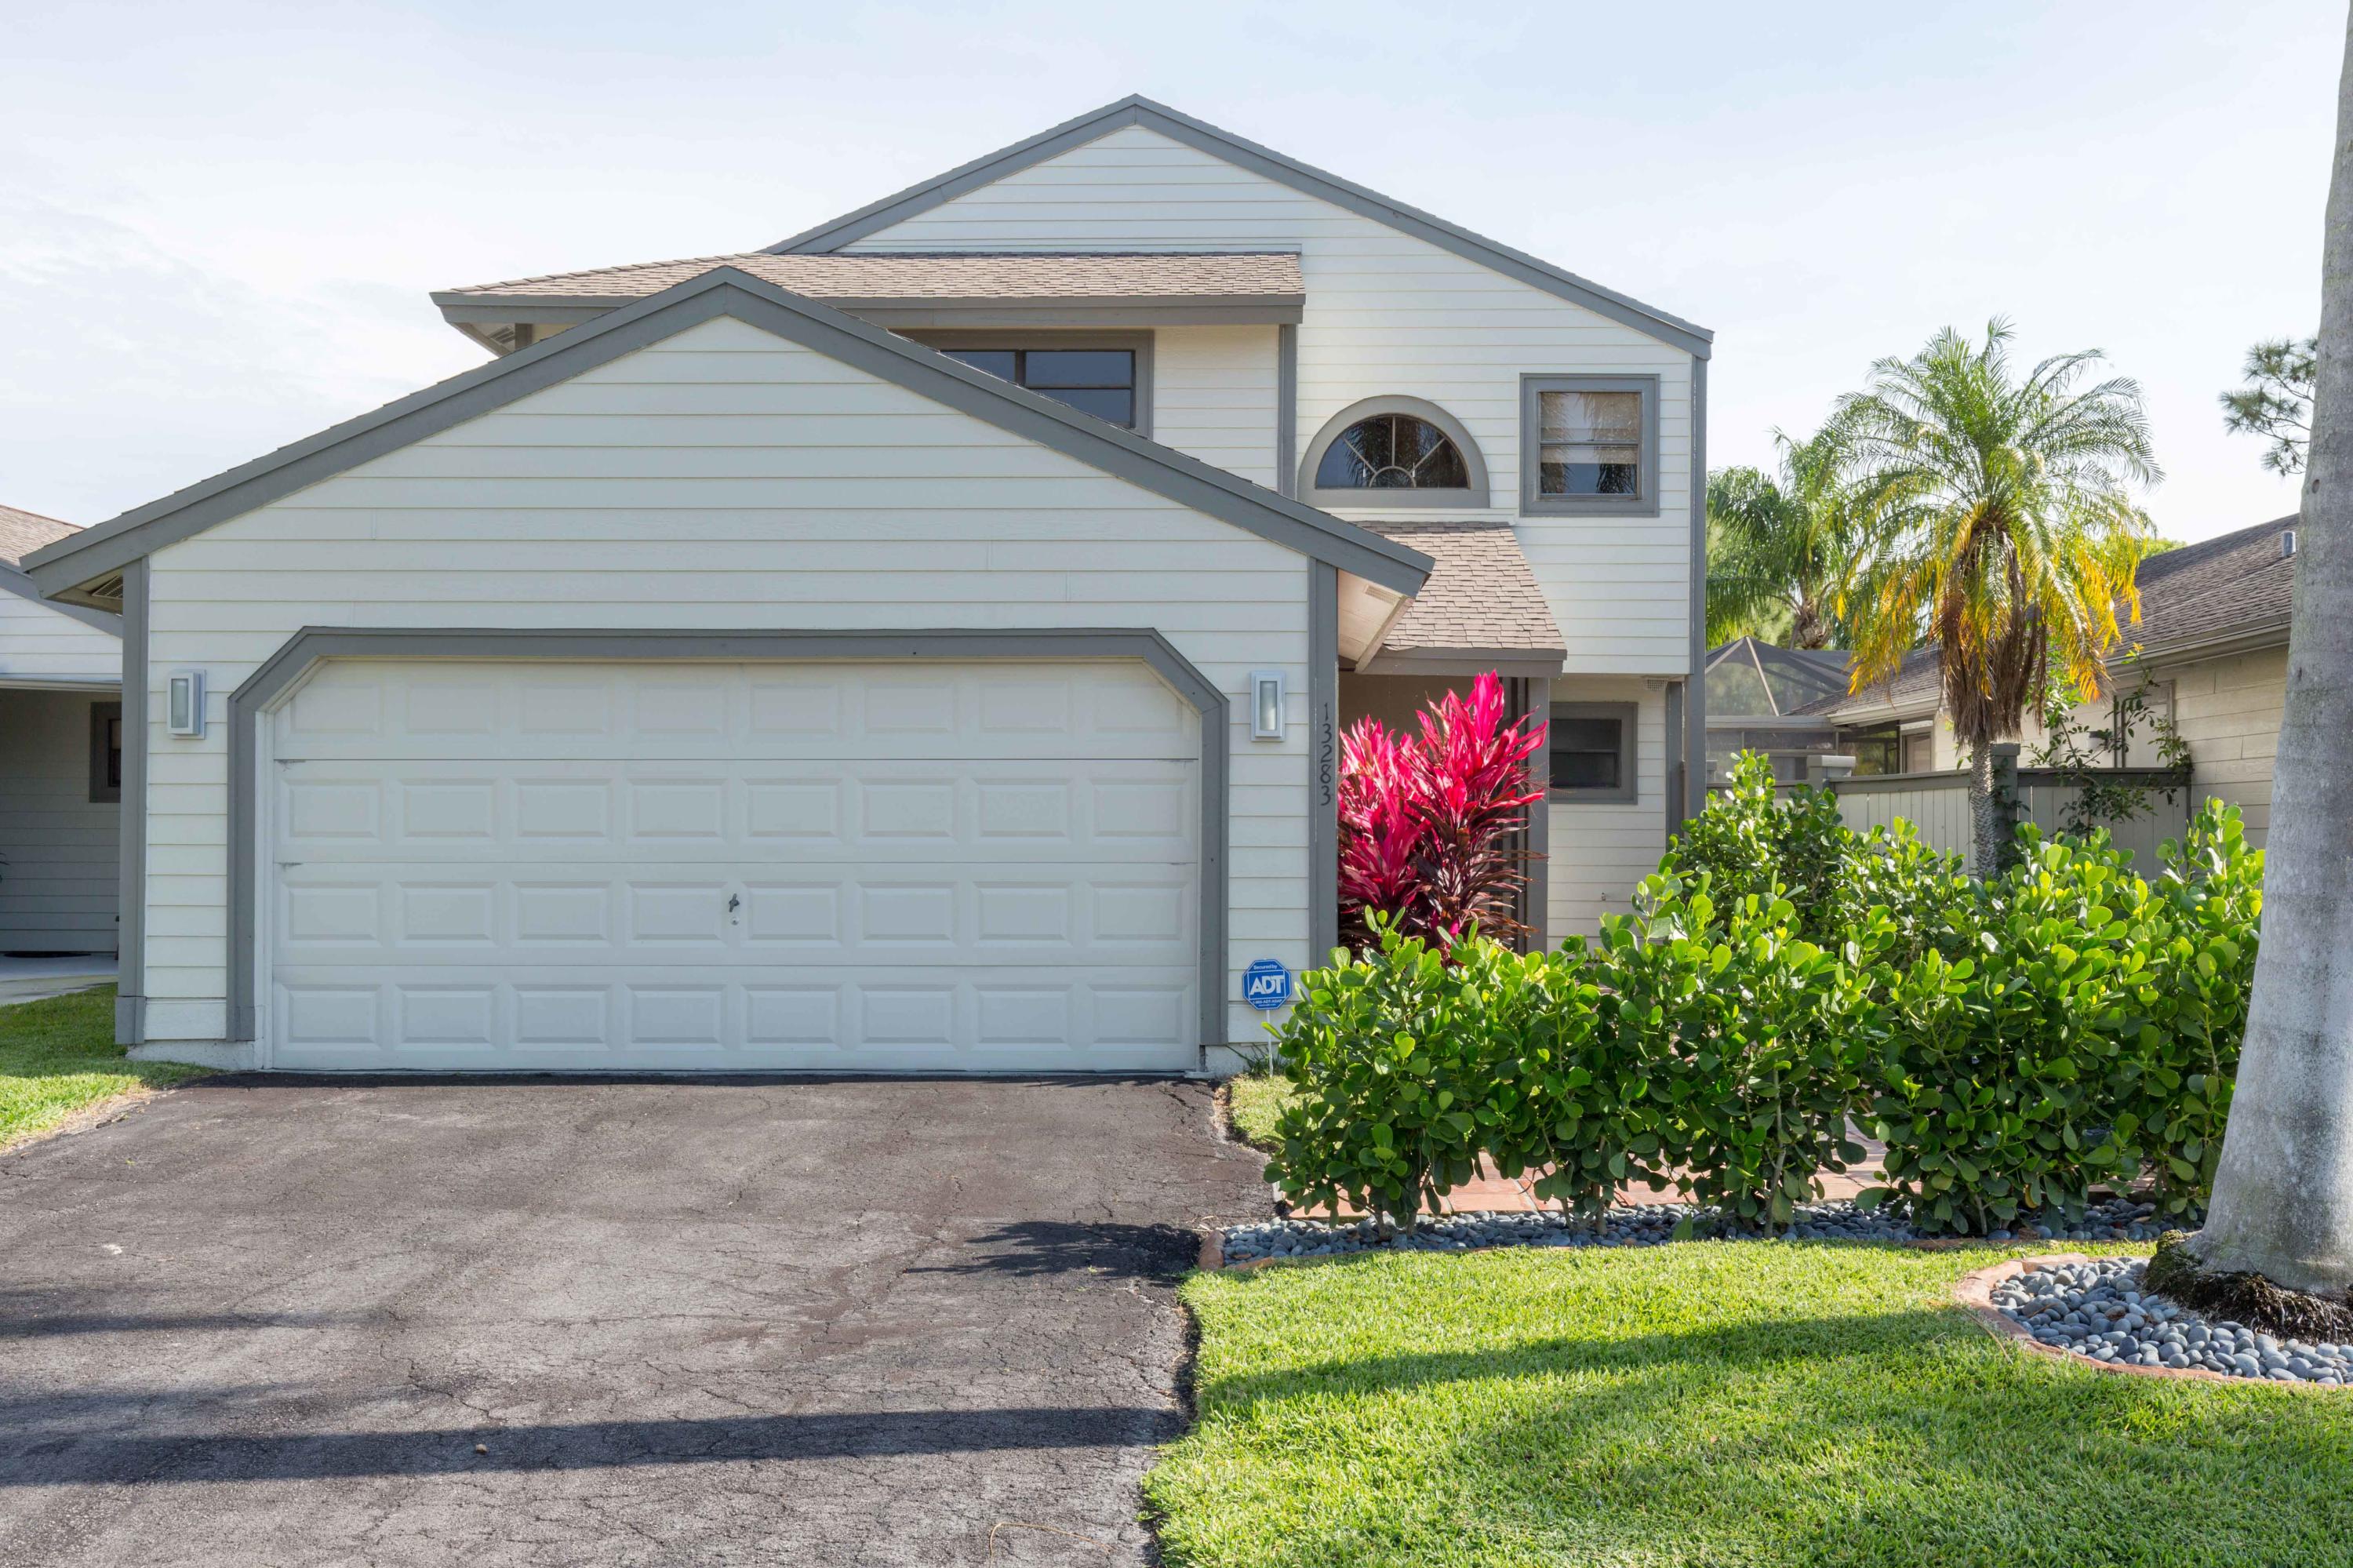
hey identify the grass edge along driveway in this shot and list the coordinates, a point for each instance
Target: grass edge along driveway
(1753, 1403)
(59, 1060)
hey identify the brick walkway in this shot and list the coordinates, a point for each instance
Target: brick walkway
(1491, 1191)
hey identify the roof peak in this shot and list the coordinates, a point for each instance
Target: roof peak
(1136, 110)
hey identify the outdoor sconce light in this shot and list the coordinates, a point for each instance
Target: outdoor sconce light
(184, 702)
(1266, 705)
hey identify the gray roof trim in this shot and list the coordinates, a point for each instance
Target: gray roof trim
(897, 310)
(1516, 662)
(23, 586)
(874, 216)
(1186, 481)
(2269, 633)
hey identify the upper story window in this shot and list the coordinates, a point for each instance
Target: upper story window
(1393, 452)
(1590, 444)
(1098, 381)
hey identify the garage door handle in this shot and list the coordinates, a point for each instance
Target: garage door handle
(733, 902)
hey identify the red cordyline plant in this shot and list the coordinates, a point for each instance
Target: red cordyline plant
(1426, 823)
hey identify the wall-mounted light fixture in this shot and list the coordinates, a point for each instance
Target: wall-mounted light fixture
(1266, 705)
(184, 702)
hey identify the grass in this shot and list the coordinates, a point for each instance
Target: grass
(1254, 1100)
(58, 1058)
(1711, 1404)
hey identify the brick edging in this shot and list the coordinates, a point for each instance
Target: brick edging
(1974, 1291)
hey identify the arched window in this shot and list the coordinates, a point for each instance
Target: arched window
(1393, 452)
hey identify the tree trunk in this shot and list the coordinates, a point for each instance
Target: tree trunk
(2283, 1204)
(1988, 820)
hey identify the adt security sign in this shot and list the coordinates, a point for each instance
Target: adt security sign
(1266, 985)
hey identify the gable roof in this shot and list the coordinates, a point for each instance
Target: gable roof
(1204, 137)
(728, 292)
(22, 533)
(2238, 585)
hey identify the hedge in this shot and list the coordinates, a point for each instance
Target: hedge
(2013, 1042)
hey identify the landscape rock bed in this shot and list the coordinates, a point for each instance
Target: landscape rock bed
(2095, 1307)
(1644, 1224)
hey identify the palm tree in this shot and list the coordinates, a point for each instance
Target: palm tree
(1994, 522)
(2283, 1204)
(1776, 545)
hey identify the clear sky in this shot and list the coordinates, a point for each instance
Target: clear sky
(218, 222)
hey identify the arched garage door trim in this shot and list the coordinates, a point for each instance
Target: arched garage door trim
(306, 649)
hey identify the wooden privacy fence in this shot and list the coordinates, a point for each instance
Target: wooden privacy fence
(1937, 806)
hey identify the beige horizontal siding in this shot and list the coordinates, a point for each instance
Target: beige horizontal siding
(2228, 711)
(720, 482)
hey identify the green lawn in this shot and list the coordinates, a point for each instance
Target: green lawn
(1256, 1099)
(60, 1056)
(1732, 1404)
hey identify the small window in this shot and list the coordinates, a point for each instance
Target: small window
(1591, 748)
(1393, 452)
(1098, 381)
(105, 752)
(1590, 444)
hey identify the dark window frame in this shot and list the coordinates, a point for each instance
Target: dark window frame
(1534, 502)
(105, 759)
(1139, 343)
(1626, 792)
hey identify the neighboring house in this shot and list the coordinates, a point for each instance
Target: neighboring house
(2209, 655)
(1759, 698)
(920, 645)
(61, 758)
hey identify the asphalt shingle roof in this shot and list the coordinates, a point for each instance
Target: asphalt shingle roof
(1482, 596)
(959, 275)
(2239, 583)
(22, 533)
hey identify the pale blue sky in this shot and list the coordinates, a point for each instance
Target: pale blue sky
(218, 222)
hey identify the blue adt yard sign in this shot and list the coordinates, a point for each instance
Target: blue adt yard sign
(1266, 985)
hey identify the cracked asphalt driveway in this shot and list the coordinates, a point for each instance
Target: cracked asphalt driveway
(303, 1322)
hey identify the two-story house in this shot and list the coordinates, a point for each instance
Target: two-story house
(919, 645)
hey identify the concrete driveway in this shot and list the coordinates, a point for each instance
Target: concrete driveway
(271, 1322)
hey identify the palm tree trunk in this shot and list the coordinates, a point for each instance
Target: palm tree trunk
(2283, 1204)
(1987, 819)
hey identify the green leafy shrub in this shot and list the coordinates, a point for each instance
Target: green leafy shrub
(1390, 1055)
(2006, 1060)
(1762, 1029)
(2192, 1000)
(1573, 1087)
(1752, 840)
(2015, 1041)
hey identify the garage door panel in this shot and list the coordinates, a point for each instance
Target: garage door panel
(760, 812)
(735, 866)
(699, 1019)
(622, 711)
(391, 913)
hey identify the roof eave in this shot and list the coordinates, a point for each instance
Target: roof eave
(470, 311)
(1136, 110)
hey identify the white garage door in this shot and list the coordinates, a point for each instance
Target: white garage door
(871, 867)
